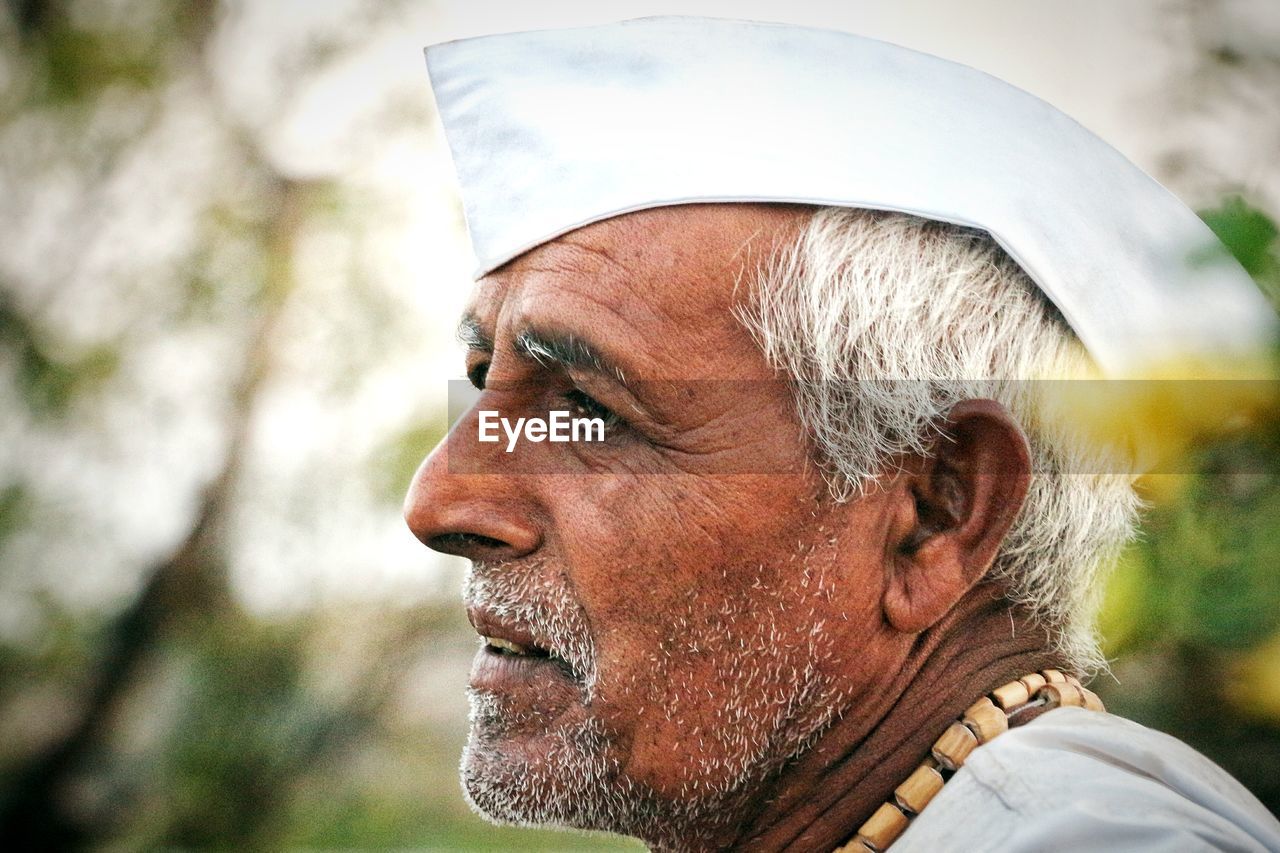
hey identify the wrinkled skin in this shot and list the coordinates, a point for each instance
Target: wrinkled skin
(733, 658)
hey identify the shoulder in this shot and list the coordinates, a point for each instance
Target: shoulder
(1076, 779)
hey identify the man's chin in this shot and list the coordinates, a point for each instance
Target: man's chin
(490, 793)
(563, 779)
(558, 777)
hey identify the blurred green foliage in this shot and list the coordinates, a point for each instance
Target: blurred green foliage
(1250, 235)
(1204, 573)
(179, 718)
(77, 63)
(1192, 612)
(50, 380)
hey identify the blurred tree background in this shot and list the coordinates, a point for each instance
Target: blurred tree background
(1191, 617)
(210, 328)
(214, 286)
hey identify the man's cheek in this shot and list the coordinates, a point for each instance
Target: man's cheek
(659, 715)
(668, 684)
(630, 551)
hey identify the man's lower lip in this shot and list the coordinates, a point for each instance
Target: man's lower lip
(501, 672)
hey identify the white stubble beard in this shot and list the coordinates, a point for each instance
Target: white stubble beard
(774, 695)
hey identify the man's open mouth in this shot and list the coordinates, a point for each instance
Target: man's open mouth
(509, 648)
(512, 648)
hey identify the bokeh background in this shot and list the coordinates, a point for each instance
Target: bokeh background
(231, 258)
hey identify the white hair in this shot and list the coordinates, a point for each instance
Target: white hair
(882, 322)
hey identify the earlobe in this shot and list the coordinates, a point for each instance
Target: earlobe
(965, 498)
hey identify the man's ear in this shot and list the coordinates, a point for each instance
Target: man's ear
(956, 508)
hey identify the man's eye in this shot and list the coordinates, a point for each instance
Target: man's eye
(478, 374)
(586, 406)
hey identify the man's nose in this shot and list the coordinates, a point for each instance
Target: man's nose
(478, 516)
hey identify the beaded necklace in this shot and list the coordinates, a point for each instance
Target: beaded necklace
(989, 717)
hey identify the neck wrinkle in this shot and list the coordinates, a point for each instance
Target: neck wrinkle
(818, 801)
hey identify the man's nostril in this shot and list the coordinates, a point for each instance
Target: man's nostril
(464, 543)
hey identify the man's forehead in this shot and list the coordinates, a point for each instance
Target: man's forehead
(674, 262)
(651, 293)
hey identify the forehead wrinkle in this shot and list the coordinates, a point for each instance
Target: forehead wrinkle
(588, 267)
(567, 255)
(600, 252)
(567, 304)
(652, 339)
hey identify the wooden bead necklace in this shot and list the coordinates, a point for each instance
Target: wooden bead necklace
(989, 717)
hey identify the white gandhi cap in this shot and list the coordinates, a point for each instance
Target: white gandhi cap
(553, 130)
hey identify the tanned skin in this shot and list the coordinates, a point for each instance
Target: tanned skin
(699, 494)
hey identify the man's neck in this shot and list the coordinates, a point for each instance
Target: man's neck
(819, 800)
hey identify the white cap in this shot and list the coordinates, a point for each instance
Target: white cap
(553, 130)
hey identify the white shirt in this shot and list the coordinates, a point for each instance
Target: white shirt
(1081, 780)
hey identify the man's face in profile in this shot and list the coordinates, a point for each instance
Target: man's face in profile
(661, 610)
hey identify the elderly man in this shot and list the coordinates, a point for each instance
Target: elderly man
(825, 579)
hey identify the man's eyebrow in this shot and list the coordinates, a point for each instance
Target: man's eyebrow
(566, 351)
(472, 336)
